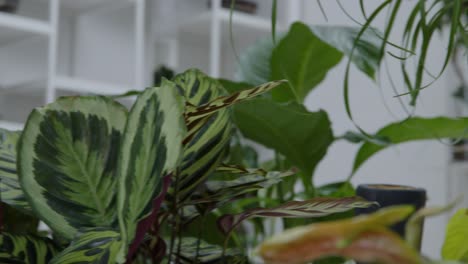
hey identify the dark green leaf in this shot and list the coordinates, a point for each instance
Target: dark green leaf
(16, 222)
(68, 162)
(366, 53)
(412, 129)
(301, 136)
(207, 253)
(10, 189)
(23, 249)
(304, 60)
(92, 246)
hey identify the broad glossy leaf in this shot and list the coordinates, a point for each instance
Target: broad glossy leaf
(456, 238)
(316, 207)
(92, 246)
(364, 238)
(10, 189)
(151, 149)
(366, 53)
(24, 249)
(207, 140)
(68, 162)
(254, 62)
(301, 136)
(412, 129)
(207, 253)
(304, 60)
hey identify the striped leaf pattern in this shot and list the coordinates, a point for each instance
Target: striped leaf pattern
(208, 138)
(151, 149)
(10, 189)
(219, 192)
(94, 246)
(23, 249)
(67, 162)
(316, 207)
(195, 112)
(208, 253)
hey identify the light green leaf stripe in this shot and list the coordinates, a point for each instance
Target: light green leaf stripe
(10, 189)
(93, 246)
(151, 149)
(26, 249)
(67, 162)
(208, 138)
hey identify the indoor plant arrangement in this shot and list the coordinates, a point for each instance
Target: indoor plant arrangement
(131, 186)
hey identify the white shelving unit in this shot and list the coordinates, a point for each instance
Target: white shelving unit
(47, 50)
(202, 36)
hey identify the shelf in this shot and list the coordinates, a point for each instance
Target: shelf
(13, 27)
(86, 86)
(11, 125)
(242, 23)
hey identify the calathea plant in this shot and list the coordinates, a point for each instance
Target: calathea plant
(117, 185)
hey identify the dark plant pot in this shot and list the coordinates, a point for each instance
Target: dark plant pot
(9, 6)
(388, 195)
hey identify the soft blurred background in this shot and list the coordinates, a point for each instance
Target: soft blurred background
(51, 48)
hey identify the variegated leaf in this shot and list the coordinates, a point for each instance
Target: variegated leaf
(23, 249)
(219, 192)
(68, 162)
(195, 112)
(364, 238)
(93, 246)
(151, 149)
(194, 250)
(207, 139)
(10, 189)
(316, 207)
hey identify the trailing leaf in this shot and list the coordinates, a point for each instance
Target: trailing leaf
(413, 129)
(194, 250)
(68, 162)
(363, 238)
(316, 207)
(151, 149)
(92, 246)
(304, 60)
(26, 249)
(207, 140)
(10, 189)
(303, 137)
(455, 246)
(219, 192)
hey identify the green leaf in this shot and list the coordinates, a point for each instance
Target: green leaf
(301, 136)
(93, 246)
(219, 192)
(207, 140)
(363, 238)
(316, 207)
(254, 63)
(456, 238)
(151, 149)
(68, 162)
(304, 60)
(10, 189)
(23, 249)
(366, 53)
(336, 189)
(207, 253)
(412, 129)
